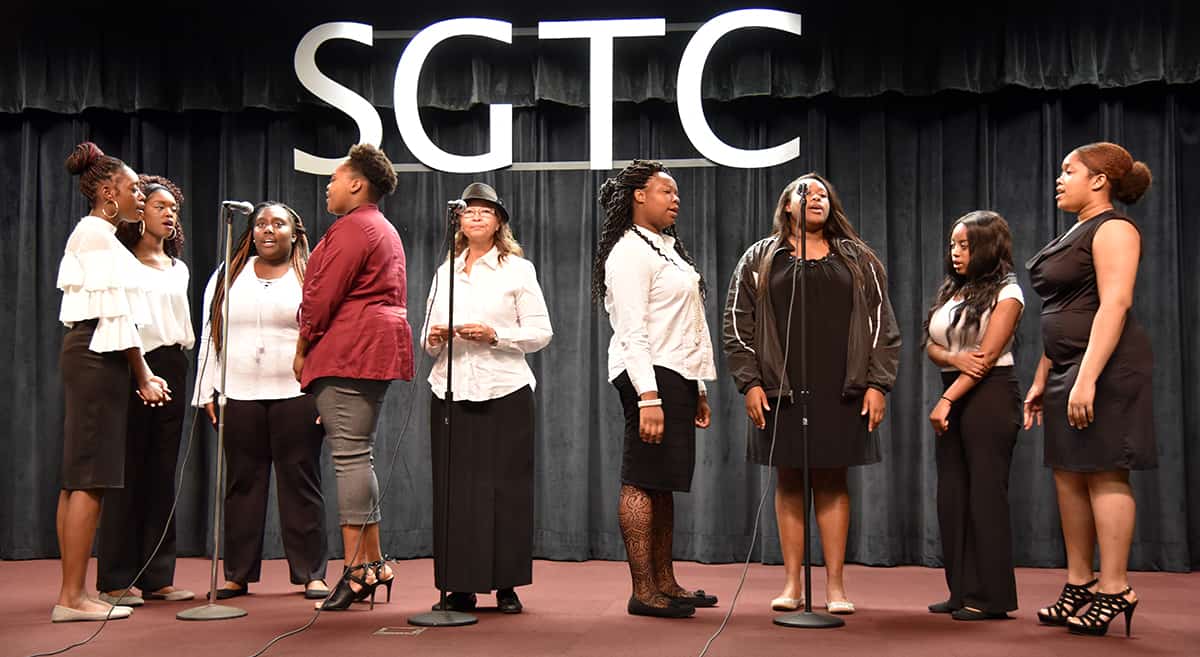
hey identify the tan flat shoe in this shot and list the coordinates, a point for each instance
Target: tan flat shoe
(63, 614)
(840, 607)
(786, 604)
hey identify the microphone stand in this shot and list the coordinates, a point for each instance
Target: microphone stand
(213, 611)
(444, 617)
(807, 618)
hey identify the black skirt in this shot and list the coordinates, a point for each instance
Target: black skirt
(669, 464)
(489, 542)
(96, 395)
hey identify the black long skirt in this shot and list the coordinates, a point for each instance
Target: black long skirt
(489, 504)
(96, 395)
(666, 466)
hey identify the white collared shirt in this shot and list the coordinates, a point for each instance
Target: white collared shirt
(504, 295)
(653, 302)
(262, 330)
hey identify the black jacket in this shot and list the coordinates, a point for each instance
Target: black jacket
(752, 343)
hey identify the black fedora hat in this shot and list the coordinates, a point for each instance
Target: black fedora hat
(478, 191)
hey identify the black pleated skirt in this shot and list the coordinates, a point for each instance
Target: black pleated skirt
(96, 402)
(669, 464)
(483, 523)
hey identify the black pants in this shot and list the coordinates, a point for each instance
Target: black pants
(973, 461)
(283, 433)
(133, 518)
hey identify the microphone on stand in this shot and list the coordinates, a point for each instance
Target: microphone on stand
(240, 207)
(457, 205)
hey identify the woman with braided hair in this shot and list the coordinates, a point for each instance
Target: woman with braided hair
(136, 517)
(852, 354)
(659, 355)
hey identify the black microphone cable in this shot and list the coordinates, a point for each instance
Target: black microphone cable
(162, 537)
(770, 460)
(426, 359)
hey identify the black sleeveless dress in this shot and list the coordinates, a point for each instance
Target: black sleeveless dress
(1122, 435)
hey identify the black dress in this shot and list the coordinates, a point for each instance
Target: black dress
(837, 430)
(1122, 435)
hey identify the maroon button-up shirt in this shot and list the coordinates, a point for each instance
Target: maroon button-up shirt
(354, 312)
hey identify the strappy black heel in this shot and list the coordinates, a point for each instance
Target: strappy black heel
(1073, 598)
(1104, 610)
(343, 595)
(380, 581)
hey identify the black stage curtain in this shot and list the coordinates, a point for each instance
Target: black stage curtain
(226, 57)
(905, 167)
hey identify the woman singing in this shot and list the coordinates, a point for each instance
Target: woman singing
(852, 354)
(659, 355)
(483, 532)
(1093, 384)
(354, 341)
(269, 421)
(136, 517)
(101, 359)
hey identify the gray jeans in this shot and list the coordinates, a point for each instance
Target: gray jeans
(349, 411)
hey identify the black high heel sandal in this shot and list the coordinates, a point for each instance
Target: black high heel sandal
(1104, 610)
(344, 595)
(380, 581)
(1070, 601)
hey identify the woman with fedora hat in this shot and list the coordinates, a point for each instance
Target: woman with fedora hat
(499, 316)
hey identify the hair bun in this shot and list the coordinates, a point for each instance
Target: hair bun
(1135, 183)
(83, 157)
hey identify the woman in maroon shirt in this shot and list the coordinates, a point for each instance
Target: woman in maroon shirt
(354, 340)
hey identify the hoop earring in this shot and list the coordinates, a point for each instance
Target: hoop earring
(141, 228)
(116, 209)
(171, 236)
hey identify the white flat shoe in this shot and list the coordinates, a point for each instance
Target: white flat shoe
(63, 614)
(786, 604)
(840, 607)
(126, 600)
(174, 596)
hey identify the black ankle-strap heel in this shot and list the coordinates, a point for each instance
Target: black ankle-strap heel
(1073, 598)
(1104, 610)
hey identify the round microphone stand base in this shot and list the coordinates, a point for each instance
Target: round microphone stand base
(210, 611)
(809, 619)
(442, 619)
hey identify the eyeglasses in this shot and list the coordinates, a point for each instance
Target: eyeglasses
(476, 211)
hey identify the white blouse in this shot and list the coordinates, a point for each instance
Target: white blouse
(100, 279)
(940, 321)
(262, 330)
(167, 293)
(506, 296)
(653, 302)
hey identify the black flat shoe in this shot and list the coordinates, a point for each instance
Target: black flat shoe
(226, 594)
(942, 607)
(508, 602)
(674, 610)
(965, 614)
(457, 602)
(698, 599)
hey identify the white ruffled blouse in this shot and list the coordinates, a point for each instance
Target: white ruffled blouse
(100, 279)
(167, 292)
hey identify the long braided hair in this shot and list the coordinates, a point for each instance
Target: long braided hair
(988, 271)
(616, 197)
(241, 255)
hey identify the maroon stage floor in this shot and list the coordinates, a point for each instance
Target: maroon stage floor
(578, 609)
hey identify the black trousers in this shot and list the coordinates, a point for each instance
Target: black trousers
(489, 536)
(133, 518)
(283, 433)
(973, 461)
